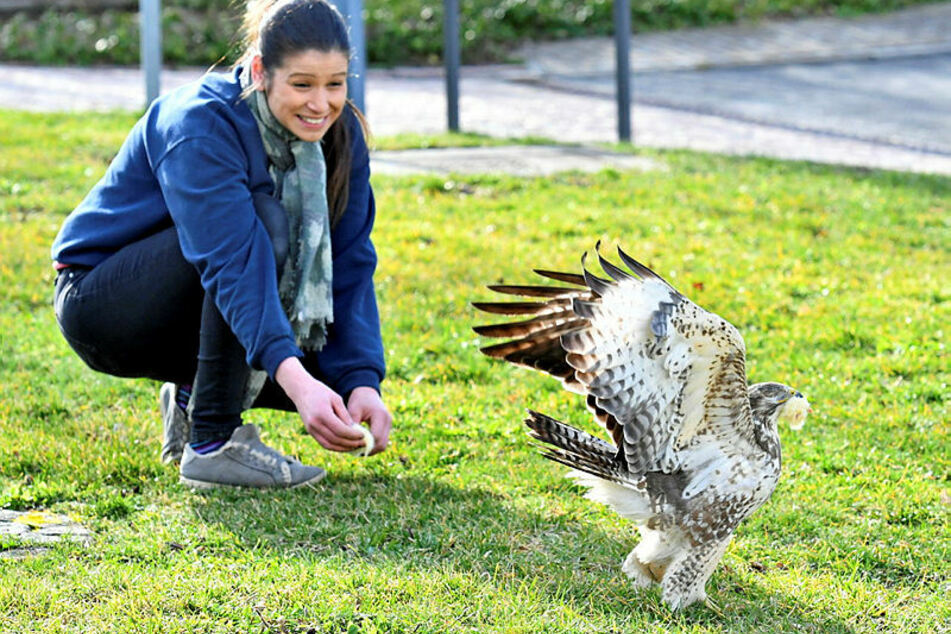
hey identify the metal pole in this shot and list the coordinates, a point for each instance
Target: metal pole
(150, 49)
(622, 46)
(452, 59)
(352, 12)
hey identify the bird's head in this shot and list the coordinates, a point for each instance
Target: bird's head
(787, 403)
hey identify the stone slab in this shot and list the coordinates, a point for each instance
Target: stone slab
(517, 160)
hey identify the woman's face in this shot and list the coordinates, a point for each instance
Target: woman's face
(307, 92)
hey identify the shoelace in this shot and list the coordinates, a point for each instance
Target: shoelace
(268, 456)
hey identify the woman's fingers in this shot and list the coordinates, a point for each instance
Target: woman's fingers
(365, 405)
(343, 431)
(340, 410)
(333, 433)
(381, 423)
(328, 442)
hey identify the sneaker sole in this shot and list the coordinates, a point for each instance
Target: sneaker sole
(203, 484)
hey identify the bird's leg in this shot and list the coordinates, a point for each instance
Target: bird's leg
(638, 571)
(648, 562)
(687, 574)
(657, 570)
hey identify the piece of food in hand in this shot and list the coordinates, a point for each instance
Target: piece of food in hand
(367, 447)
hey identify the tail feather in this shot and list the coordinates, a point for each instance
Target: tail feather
(578, 449)
(554, 432)
(596, 469)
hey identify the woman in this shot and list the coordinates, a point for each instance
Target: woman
(227, 251)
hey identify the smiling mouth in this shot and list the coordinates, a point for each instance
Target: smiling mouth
(314, 121)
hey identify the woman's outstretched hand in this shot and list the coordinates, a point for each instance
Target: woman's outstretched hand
(366, 406)
(323, 411)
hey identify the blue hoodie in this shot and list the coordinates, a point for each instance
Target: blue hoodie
(193, 160)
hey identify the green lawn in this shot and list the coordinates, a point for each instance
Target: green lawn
(837, 278)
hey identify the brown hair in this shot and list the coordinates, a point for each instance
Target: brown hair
(279, 28)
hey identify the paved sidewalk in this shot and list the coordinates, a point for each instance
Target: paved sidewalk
(531, 160)
(871, 91)
(914, 31)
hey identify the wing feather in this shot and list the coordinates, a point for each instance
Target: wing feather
(521, 308)
(514, 328)
(598, 285)
(533, 291)
(570, 278)
(615, 273)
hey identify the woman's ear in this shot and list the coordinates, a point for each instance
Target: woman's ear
(257, 72)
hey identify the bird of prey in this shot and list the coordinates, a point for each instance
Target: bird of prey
(695, 447)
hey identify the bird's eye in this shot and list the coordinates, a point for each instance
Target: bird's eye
(798, 394)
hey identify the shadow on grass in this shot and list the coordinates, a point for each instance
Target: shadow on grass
(414, 523)
(757, 609)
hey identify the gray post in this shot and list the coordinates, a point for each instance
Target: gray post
(622, 47)
(352, 12)
(150, 49)
(452, 59)
(358, 42)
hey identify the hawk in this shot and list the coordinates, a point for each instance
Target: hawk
(695, 447)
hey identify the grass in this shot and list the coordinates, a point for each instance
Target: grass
(836, 277)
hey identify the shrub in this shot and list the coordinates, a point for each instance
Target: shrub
(199, 32)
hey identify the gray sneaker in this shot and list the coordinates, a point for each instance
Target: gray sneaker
(175, 427)
(245, 461)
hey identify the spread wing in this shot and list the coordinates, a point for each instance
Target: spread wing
(665, 377)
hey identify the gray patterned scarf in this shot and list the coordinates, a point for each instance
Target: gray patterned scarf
(300, 179)
(300, 182)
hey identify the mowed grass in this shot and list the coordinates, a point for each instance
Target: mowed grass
(838, 279)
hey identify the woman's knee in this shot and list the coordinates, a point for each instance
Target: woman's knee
(272, 215)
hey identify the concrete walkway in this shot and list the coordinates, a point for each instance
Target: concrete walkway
(919, 30)
(36, 531)
(871, 91)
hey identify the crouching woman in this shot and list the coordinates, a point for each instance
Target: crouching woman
(226, 251)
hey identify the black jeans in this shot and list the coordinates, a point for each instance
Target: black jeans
(142, 312)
